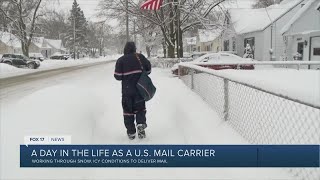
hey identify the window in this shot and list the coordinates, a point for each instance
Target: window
(316, 51)
(299, 55)
(250, 41)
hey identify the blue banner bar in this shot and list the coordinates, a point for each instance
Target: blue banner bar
(169, 156)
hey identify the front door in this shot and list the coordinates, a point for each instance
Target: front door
(315, 51)
(299, 55)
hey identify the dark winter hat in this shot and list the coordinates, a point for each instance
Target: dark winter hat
(130, 48)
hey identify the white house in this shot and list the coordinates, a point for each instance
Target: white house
(261, 29)
(302, 33)
(56, 46)
(47, 47)
(209, 40)
(9, 43)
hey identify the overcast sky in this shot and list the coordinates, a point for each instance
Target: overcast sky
(89, 7)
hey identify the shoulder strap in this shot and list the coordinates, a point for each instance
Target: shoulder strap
(139, 61)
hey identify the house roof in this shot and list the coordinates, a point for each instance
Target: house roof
(38, 41)
(239, 4)
(10, 39)
(297, 16)
(57, 44)
(206, 35)
(252, 20)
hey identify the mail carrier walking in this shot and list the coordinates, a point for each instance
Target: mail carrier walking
(129, 69)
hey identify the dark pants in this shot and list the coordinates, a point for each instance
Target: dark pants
(134, 108)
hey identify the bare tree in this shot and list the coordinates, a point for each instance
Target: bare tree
(53, 25)
(174, 18)
(22, 17)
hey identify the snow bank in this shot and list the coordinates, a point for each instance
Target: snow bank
(58, 110)
(303, 85)
(52, 64)
(7, 70)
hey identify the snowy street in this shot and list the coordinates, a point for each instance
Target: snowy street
(86, 104)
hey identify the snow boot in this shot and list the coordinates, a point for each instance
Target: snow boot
(131, 136)
(141, 131)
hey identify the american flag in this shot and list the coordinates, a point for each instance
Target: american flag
(152, 5)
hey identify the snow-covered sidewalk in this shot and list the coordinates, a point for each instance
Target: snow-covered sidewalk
(88, 107)
(10, 71)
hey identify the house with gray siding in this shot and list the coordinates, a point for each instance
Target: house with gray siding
(9, 43)
(261, 29)
(301, 33)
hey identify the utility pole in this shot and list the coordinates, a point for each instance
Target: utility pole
(74, 37)
(127, 21)
(101, 39)
(134, 30)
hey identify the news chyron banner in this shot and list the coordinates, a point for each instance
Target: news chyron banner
(67, 155)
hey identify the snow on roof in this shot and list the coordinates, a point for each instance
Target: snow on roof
(297, 16)
(57, 44)
(10, 39)
(206, 35)
(251, 20)
(238, 3)
(38, 41)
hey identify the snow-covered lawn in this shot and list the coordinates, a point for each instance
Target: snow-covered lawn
(9, 71)
(88, 107)
(303, 85)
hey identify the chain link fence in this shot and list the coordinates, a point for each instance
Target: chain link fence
(167, 62)
(261, 117)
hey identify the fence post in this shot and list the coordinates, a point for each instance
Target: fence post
(192, 79)
(226, 99)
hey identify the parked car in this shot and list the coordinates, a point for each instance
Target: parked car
(20, 61)
(196, 55)
(205, 61)
(36, 56)
(59, 57)
(230, 52)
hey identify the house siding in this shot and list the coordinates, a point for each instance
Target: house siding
(310, 20)
(259, 44)
(278, 44)
(5, 49)
(263, 38)
(301, 31)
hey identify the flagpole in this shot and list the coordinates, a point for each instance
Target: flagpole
(127, 21)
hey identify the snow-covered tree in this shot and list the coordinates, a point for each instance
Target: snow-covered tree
(265, 3)
(21, 17)
(77, 30)
(174, 18)
(53, 25)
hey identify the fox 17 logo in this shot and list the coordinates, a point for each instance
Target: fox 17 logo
(37, 139)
